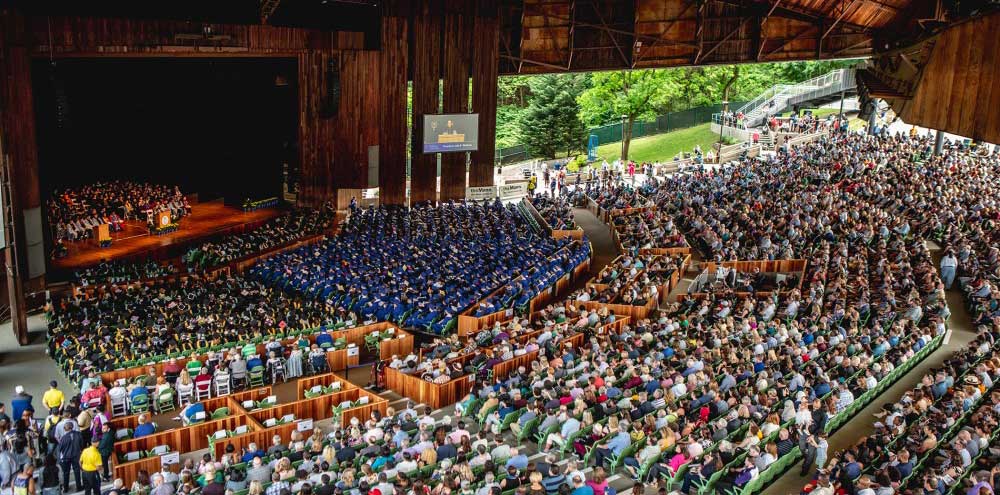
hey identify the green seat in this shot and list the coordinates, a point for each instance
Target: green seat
(257, 376)
(220, 413)
(140, 404)
(193, 366)
(529, 427)
(165, 401)
(372, 342)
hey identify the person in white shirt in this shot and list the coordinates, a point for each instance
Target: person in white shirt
(949, 266)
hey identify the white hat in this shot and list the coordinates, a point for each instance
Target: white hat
(18, 389)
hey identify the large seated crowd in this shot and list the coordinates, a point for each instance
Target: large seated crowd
(140, 322)
(294, 225)
(557, 211)
(206, 256)
(422, 267)
(715, 394)
(73, 213)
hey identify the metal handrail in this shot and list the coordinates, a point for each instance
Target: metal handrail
(776, 98)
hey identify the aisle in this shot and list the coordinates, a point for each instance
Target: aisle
(605, 250)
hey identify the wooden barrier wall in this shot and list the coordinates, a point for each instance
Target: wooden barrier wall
(338, 360)
(186, 439)
(325, 380)
(957, 88)
(429, 393)
(470, 325)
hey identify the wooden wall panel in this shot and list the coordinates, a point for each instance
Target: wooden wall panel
(392, 121)
(333, 151)
(425, 54)
(356, 124)
(315, 133)
(956, 92)
(17, 117)
(485, 69)
(456, 63)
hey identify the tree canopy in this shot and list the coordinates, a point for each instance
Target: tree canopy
(602, 98)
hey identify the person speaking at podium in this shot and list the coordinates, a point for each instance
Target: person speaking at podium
(448, 130)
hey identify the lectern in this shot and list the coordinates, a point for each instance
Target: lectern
(102, 233)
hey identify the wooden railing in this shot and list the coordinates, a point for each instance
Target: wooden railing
(469, 324)
(639, 312)
(340, 359)
(201, 435)
(438, 395)
(236, 266)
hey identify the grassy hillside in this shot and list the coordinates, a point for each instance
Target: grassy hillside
(662, 147)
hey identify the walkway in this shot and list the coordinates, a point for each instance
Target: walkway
(605, 250)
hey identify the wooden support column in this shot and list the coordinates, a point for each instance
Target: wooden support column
(392, 126)
(19, 149)
(425, 54)
(485, 68)
(456, 63)
(316, 139)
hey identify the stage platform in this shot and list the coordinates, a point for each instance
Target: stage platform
(206, 220)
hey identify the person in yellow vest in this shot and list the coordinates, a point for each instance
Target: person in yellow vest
(53, 397)
(90, 464)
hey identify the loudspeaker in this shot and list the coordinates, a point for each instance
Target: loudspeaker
(373, 166)
(35, 251)
(331, 104)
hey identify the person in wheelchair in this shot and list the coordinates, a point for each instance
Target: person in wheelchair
(317, 360)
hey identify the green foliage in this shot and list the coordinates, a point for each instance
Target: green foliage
(551, 122)
(509, 125)
(576, 164)
(637, 94)
(602, 98)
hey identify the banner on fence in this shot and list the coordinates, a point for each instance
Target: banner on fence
(514, 191)
(480, 193)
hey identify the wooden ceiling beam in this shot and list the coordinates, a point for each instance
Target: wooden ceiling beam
(670, 24)
(521, 61)
(616, 30)
(849, 4)
(267, 8)
(763, 38)
(607, 29)
(722, 41)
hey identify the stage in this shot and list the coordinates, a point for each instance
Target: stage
(207, 220)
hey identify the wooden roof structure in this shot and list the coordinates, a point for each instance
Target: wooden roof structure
(584, 35)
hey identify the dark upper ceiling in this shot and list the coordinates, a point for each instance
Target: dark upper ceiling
(581, 35)
(343, 15)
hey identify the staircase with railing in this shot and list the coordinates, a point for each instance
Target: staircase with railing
(779, 97)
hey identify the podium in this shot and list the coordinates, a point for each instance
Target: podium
(451, 138)
(162, 219)
(102, 233)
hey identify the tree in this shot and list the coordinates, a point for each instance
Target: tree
(634, 94)
(551, 122)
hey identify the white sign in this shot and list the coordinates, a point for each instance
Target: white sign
(168, 459)
(512, 191)
(480, 193)
(352, 351)
(304, 425)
